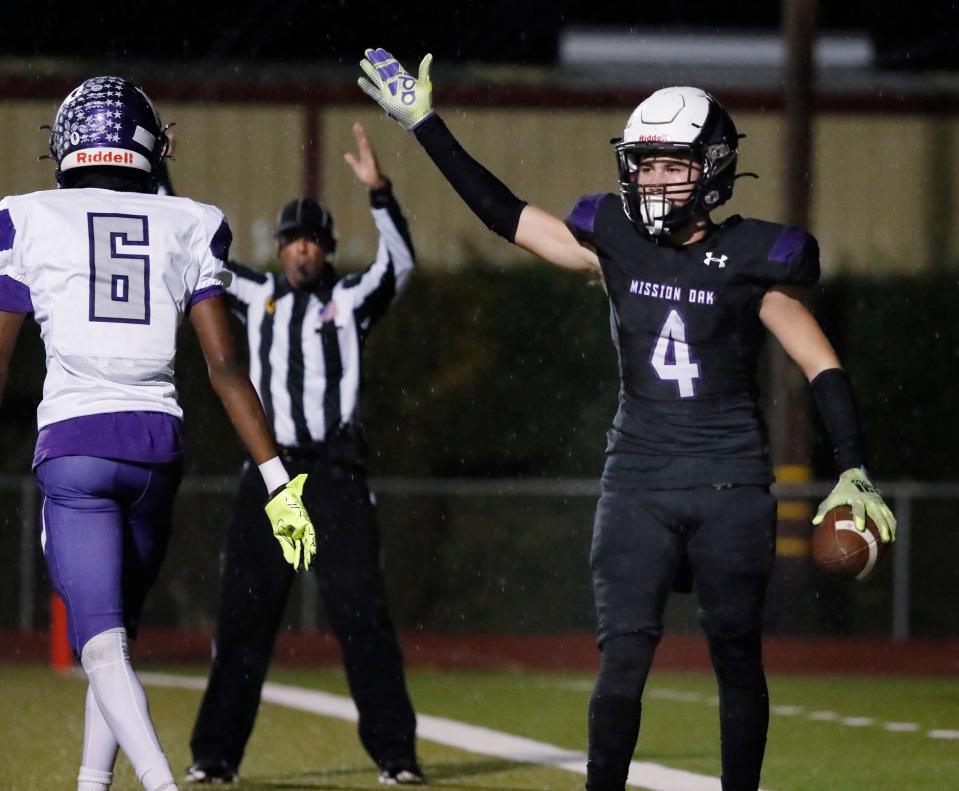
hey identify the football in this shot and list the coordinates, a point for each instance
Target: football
(841, 551)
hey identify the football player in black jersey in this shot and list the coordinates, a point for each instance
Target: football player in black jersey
(686, 480)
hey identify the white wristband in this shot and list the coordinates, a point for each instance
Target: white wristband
(274, 474)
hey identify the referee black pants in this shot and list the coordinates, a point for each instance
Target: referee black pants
(255, 584)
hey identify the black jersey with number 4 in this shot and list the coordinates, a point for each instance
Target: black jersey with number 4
(685, 323)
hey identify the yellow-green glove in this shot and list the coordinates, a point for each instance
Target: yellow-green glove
(291, 523)
(857, 491)
(405, 98)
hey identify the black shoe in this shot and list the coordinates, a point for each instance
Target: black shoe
(402, 776)
(211, 772)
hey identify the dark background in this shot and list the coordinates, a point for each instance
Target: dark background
(913, 35)
(521, 381)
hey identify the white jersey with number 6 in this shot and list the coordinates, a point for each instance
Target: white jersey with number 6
(110, 276)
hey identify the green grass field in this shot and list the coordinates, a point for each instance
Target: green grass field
(833, 733)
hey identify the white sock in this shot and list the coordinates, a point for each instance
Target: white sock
(99, 747)
(123, 704)
(93, 779)
(159, 778)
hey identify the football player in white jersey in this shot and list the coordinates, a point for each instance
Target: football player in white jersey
(109, 268)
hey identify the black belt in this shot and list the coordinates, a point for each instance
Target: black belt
(345, 448)
(315, 450)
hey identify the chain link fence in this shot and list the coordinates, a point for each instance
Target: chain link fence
(511, 556)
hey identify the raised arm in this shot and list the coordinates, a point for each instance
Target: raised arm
(408, 100)
(547, 236)
(364, 163)
(375, 288)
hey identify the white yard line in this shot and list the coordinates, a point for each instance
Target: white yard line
(823, 716)
(472, 738)
(798, 711)
(901, 727)
(787, 711)
(858, 722)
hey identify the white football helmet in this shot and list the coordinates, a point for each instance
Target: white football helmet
(689, 124)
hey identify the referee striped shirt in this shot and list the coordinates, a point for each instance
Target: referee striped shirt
(305, 345)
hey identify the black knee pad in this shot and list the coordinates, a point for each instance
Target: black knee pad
(730, 623)
(739, 661)
(624, 664)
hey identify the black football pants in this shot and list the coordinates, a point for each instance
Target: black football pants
(640, 540)
(255, 584)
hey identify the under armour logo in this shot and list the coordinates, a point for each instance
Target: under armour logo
(710, 259)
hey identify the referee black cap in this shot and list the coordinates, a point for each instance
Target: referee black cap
(305, 215)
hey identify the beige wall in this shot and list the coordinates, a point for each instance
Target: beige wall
(886, 191)
(21, 143)
(546, 158)
(885, 188)
(245, 159)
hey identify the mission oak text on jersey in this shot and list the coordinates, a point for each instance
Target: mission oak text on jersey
(695, 296)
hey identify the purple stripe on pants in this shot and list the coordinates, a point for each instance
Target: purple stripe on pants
(106, 525)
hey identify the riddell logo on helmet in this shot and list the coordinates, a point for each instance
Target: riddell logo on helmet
(114, 157)
(653, 138)
(109, 157)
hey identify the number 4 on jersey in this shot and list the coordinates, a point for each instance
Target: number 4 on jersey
(680, 369)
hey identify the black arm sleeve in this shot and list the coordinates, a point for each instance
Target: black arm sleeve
(489, 198)
(837, 405)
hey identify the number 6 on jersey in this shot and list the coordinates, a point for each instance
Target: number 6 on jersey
(119, 281)
(680, 370)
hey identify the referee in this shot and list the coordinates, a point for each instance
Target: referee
(306, 329)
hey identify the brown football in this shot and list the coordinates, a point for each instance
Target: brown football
(841, 551)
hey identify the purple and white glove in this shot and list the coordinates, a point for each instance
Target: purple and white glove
(406, 99)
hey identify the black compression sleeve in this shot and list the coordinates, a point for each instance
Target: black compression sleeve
(837, 405)
(489, 198)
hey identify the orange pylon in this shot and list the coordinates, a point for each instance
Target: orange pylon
(61, 655)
